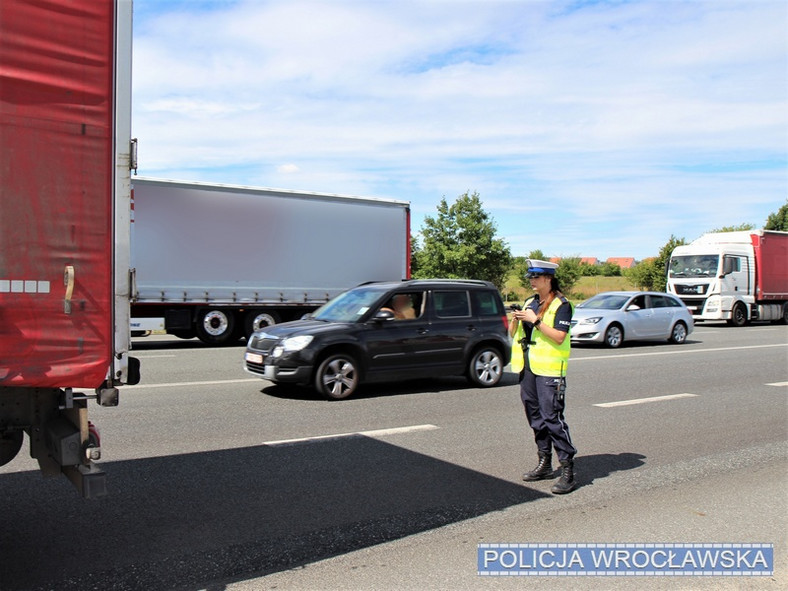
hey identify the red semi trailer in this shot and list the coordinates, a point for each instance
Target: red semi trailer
(65, 160)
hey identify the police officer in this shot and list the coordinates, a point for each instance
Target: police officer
(542, 326)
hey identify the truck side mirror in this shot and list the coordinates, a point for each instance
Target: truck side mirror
(727, 266)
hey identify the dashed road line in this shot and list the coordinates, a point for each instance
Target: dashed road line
(645, 400)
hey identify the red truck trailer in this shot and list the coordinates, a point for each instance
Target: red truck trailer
(65, 159)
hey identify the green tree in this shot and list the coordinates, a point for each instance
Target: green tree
(778, 220)
(643, 275)
(414, 256)
(587, 270)
(567, 273)
(610, 270)
(650, 274)
(460, 243)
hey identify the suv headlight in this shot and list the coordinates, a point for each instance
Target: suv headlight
(291, 344)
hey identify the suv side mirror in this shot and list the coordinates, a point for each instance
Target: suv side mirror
(632, 307)
(383, 316)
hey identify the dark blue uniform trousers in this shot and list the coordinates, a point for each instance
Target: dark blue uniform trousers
(543, 400)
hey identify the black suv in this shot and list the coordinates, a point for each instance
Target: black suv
(386, 332)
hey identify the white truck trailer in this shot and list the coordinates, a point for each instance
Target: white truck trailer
(218, 262)
(733, 276)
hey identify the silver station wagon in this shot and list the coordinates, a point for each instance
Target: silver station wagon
(612, 317)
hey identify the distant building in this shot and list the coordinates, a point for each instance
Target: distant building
(589, 261)
(623, 262)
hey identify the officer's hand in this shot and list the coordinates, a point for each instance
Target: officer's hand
(529, 315)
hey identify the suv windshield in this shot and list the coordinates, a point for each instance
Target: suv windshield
(348, 306)
(699, 265)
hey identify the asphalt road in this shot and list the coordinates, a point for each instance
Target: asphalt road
(219, 480)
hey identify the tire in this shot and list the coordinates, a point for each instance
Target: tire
(10, 444)
(337, 377)
(215, 326)
(738, 315)
(614, 336)
(485, 368)
(257, 319)
(678, 334)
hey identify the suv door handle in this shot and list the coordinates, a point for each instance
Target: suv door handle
(471, 327)
(423, 330)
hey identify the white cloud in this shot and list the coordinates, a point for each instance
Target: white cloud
(614, 125)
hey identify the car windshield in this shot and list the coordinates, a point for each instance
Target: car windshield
(699, 265)
(348, 306)
(604, 302)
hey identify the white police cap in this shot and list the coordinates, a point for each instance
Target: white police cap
(536, 267)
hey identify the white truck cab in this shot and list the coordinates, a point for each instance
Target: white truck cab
(721, 276)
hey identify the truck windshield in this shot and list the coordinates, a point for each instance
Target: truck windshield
(699, 265)
(348, 306)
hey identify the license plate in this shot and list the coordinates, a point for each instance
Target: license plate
(254, 358)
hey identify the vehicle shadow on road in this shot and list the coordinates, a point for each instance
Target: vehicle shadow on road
(591, 468)
(187, 521)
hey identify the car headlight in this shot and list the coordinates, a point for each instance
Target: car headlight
(296, 343)
(593, 320)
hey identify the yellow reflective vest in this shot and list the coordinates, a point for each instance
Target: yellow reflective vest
(545, 356)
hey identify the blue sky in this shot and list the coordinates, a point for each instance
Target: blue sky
(587, 128)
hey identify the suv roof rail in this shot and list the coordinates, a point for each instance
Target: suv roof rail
(479, 282)
(450, 281)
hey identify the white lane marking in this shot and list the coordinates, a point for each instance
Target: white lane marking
(778, 384)
(143, 356)
(181, 384)
(374, 433)
(645, 400)
(683, 351)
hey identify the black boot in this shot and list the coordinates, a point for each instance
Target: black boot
(567, 482)
(544, 469)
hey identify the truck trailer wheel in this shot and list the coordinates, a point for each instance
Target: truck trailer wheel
(257, 320)
(738, 315)
(10, 444)
(215, 326)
